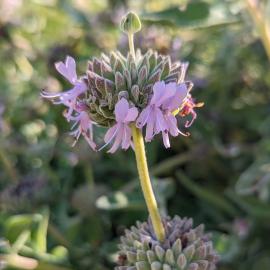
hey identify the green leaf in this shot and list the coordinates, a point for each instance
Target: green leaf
(40, 234)
(206, 194)
(114, 201)
(163, 189)
(20, 241)
(227, 246)
(255, 180)
(262, 262)
(16, 224)
(49, 266)
(131, 196)
(251, 205)
(267, 12)
(15, 261)
(60, 252)
(195, 15)
(192, 12)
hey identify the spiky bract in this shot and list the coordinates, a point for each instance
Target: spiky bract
(185, 247)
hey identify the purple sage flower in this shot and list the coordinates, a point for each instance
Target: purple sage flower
(121, 132)
(117, 91)
(158, 115)
(67, 98)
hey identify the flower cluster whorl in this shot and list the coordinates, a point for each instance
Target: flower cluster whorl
(150, 86)
(110, 78)
(185, 248)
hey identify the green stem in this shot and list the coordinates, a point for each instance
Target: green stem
(146, 183)
(261, 24)
(142, 167)
(58, 236)
(17, 261)
(131, 44)
(12, 174)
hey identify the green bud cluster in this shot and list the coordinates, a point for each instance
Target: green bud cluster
(184, 248)
(112, 77)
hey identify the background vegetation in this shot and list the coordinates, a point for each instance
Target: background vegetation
(64, 208)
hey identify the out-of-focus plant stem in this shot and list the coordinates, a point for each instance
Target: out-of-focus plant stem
(261, 24)
(206, 194)
(8, 166)
(21, 262)
(25, 263)
(170, 163)
(146, 183)
(57, 235)
(20, 241)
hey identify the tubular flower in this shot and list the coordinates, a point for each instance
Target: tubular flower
(82, 126)
(188, 108)
(121, 132)
(158, 115)
(67, 98)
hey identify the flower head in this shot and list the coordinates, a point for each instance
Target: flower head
(185, 247)
(117, 91)
(158, 115)
(121, 132)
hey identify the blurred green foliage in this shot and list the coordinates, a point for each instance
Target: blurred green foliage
(64, 208)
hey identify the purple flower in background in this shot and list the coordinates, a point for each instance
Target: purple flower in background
(158, 115)
(121, 132)
(83, 125)
(67, 98)
(2, 109)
